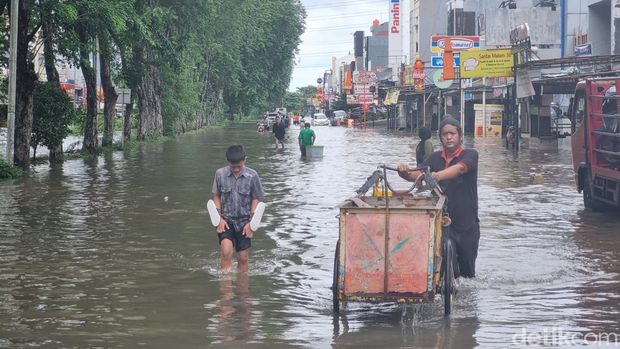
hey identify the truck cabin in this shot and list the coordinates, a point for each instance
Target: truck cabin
(595, 124)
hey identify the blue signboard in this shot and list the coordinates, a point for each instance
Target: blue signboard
(437, 61)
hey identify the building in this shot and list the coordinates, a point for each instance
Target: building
(590, 27)
(376, 48)
(427, 18)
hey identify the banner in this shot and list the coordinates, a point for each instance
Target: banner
(395, 37)
(489, 63)
(459, 43)
(489, 125)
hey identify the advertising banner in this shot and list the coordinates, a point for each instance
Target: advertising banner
(365, 99)
(437, 61)
(489, 125)
(488, 63)
(395, 37)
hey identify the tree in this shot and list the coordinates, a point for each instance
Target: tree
(294, 102)
(26, 78)
(341, 102)
(109, 93)
(53, 113)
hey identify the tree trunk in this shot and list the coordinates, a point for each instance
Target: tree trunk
(150, 122)
(110, 95)
(127, 121)
(50, 70)
(26, 78)
(90, 129)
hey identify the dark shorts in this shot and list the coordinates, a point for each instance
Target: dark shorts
(239, 241)
(280, 140)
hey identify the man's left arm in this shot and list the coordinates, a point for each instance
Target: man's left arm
(468, 163)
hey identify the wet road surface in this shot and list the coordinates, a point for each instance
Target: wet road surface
(92, 255)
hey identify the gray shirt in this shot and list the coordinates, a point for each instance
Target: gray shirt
(236, 194)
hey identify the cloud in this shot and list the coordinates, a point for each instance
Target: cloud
(329, 32)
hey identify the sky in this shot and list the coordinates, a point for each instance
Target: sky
(329, 32)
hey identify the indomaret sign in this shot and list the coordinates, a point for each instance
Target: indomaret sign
(395, 40)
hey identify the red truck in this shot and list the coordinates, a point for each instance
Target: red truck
(595, 141)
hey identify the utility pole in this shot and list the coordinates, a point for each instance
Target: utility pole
(10, 136)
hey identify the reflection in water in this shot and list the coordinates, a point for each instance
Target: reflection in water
(91, 255)
(234, 322)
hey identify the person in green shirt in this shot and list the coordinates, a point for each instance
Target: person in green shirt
(425, 147)
(306, 138)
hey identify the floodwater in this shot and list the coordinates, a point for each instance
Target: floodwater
(92, 255)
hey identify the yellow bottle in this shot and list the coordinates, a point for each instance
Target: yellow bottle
(378, 193)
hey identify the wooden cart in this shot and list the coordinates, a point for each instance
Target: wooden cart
(393, 248)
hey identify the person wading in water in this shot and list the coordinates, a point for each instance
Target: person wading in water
(236, 191)
(456, 170)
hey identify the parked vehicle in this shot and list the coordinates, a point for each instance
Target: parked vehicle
(270, 119)
(561, 124)
(320, 119)
(338, 116)
(357, 113)
(595, 141)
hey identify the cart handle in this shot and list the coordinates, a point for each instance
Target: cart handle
(426, 175)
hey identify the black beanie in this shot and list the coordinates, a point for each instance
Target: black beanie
(449, 120)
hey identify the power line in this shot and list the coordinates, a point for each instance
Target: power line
(356, 14)
(346, 4)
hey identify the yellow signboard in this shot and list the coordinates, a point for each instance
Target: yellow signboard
(488, 63)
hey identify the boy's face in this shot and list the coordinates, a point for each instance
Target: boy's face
(236, 167)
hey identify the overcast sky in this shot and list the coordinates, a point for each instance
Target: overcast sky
(329, 32)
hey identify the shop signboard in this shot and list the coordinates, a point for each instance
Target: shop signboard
(459, 43)
(487, 63)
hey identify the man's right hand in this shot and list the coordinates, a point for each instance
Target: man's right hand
(403, 169)
(222, 227)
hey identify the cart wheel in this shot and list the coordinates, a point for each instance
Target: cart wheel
(336, 302)
(448, 277)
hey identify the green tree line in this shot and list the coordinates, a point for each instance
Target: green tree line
(187, 62)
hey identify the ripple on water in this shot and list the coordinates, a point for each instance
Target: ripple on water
(92, 255)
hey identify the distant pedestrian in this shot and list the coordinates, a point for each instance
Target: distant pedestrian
(236, 191)
(425, 147)
(306, 138)
(279, 130)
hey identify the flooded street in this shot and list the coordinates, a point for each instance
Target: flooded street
(92, 255)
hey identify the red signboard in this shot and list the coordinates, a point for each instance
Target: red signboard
(366, 99)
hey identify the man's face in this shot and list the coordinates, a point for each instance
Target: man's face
(236, 167)
(277, 119)
(450, 137)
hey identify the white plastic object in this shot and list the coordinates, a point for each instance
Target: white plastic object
(213, 214)
(258, 216)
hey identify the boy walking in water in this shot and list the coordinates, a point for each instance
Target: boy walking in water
(236, 192)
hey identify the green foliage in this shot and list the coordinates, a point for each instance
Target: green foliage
(214, 58)
(53, 113)
(9, 171)
(297, 101)
(341, 103)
